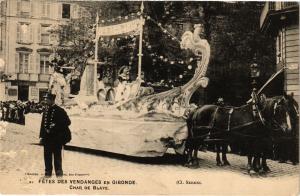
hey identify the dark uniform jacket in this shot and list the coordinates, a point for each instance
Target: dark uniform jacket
(54, 135)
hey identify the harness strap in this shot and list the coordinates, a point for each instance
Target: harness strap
(229, 118)
(222, 131)
(213, 121)
(203, 127)
(260, 117)
(244, 125)
(255, 110)
(273, 120)
(245, 135)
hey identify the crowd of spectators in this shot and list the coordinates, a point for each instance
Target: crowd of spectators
(14, 111)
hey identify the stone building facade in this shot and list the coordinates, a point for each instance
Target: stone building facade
(26, 44)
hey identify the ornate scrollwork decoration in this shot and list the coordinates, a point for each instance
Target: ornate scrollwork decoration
(176, 100)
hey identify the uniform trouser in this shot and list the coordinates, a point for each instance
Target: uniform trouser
(51, 150)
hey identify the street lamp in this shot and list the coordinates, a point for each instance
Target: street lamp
(255, 73)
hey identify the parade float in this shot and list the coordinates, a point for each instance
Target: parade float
(126, 119)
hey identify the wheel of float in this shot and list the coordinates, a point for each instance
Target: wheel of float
(110, 95)
(101, 95)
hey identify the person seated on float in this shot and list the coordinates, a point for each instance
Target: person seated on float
(121, 86)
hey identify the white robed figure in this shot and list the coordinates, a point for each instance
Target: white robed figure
(58, 86)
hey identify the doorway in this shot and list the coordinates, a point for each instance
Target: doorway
(42, 93)
(23, 91)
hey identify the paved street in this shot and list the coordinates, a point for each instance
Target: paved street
(22, 170)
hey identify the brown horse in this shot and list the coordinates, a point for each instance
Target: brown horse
(223, 125)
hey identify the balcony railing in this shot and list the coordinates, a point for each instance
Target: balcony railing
(275, 6)
(285, 5)
(265, 11)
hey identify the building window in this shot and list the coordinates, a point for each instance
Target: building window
(24, 33)
(44, 63)
(45, 34)
(45, 9)
(66, 10)
(279, 49)
(42, 93)
(23, 62)
(12, 92)
(25, 7)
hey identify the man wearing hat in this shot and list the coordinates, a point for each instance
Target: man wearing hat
(54, 128)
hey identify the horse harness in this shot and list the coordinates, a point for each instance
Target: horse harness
(274, 105)
(212, 125)
(257, 114)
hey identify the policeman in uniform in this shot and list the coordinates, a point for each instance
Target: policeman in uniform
(54, 123)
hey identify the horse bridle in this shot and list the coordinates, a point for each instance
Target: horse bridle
(273, 119)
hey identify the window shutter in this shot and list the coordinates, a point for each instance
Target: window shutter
(31, 66)
(59, 10)
(39, 34)
(31, 8)
(18, 7)
(17, 62)
(31, 33)
(48, 9)
(43, 3)
(73, 9)
(37, 63)
(76, 11)
(38, 9)
(18, 32)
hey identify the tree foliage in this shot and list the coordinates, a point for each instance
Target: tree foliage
(76, 42)
(236, 43)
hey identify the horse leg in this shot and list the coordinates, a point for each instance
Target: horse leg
(266, 150)
(224, 152)
(265, 167)
(218, 159)
(295, 151)
(255, 163)
(248, 151)
(259, 163)
(195, 157)
(189, 156)
(249, 165)
(188, 153)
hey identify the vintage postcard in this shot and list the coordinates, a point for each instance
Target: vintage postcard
(149, 97)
